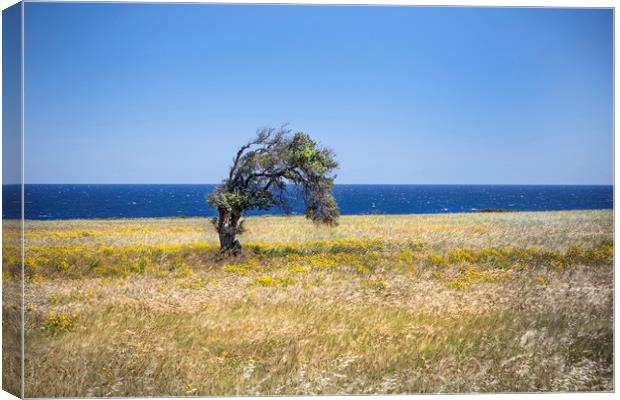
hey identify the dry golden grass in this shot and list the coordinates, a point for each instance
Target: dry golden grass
(548, 230)
(380, 304)
(11, 310)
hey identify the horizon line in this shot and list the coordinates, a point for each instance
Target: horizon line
(336, 184)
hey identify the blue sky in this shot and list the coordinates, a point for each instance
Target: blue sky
(11, 90)
(138, 93)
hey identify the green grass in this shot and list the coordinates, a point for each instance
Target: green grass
(478, 302)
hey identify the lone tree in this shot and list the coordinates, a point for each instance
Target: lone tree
(259, 176)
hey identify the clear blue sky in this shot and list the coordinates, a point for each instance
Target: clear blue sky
(11, 94)
(139, 93)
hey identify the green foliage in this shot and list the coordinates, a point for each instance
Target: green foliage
(240, 200)
(56, 324)
(261, 171)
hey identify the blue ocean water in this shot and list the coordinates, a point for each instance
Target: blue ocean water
(138, 201)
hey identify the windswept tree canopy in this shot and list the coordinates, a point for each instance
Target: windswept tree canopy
(263, 168)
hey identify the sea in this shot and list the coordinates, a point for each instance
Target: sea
(70, 201)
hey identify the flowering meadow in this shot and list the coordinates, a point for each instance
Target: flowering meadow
(456, 303)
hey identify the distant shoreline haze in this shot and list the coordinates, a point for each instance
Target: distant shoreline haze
(87, 201)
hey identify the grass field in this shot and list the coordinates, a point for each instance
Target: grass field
(480, 302)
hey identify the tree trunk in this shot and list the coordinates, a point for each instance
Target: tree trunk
(227, 230)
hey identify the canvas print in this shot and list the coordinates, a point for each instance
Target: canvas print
(232, 199)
